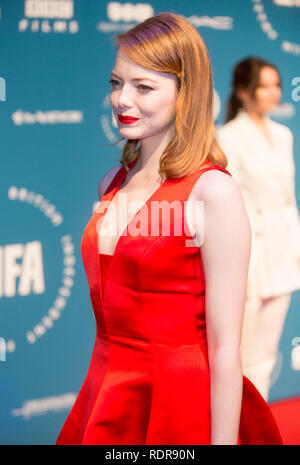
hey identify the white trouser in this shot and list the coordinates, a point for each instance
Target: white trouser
(262, 328)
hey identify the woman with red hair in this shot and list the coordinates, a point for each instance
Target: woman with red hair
(168, 291)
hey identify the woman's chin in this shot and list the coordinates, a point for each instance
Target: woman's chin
(271, 107)
(127, 133)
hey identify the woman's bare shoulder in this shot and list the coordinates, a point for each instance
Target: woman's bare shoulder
(106, 180)
(216, 185)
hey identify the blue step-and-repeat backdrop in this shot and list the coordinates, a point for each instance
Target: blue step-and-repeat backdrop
(55, 135)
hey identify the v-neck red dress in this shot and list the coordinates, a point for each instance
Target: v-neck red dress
(148, 381)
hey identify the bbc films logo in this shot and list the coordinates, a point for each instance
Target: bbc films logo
(49, 16)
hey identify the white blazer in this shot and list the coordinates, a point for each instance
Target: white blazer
(266, 176)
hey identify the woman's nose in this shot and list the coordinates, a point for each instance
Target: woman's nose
(125, 98)
(276, 92)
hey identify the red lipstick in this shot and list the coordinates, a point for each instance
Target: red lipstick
(127, 119)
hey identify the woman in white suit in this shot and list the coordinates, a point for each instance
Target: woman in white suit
(260, 159)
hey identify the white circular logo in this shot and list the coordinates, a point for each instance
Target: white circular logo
(37, 277)
(278, 22)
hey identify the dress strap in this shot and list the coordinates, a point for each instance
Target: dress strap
(118, 177)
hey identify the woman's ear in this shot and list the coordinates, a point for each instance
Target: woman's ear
(243, 95)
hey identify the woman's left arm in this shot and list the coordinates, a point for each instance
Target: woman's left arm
(225, 253)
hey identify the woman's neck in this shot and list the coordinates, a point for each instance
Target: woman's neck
(151, 151)
(258, 118)
(261, 121)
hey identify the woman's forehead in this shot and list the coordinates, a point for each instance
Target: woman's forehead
(125, 67)
(124, 62)
(268, 74)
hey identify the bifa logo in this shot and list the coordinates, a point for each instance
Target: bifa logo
(2, 350)
(129, 12)
(2, 90)
(29, 272)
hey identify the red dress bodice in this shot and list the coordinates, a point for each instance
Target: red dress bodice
(148, 381)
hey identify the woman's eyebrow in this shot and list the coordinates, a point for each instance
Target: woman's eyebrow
(136, 79)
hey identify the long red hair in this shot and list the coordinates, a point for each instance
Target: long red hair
(169, 43)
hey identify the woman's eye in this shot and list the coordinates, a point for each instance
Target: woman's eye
(266, 86)
(113, 82)
(143, 87)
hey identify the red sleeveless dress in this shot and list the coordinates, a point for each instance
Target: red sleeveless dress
(148, 379)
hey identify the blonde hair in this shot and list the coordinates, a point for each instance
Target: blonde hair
(169, 43)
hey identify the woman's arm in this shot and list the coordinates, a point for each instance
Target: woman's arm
(225, 255)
